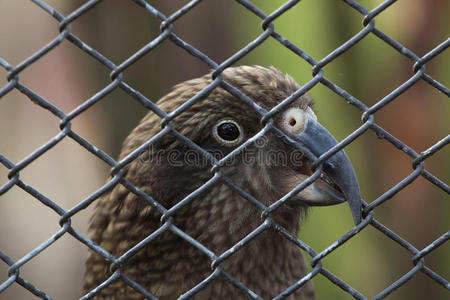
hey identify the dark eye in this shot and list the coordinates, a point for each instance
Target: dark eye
(228, 132)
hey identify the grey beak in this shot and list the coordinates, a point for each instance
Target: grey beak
(317, 140)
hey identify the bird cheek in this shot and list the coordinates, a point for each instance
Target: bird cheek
(259, 179)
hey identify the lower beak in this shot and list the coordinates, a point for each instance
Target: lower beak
(337, 169)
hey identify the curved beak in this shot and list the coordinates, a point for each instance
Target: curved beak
(337, 171)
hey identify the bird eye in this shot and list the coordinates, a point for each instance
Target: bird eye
(228, 133)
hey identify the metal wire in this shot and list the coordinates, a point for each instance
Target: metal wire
(117, 81)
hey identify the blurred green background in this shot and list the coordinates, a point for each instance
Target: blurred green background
(370, 70)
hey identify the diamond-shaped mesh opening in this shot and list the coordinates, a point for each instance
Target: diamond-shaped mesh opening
(425, 207)
(61, 67)
(78, 83)
(35, 127)
(116, 20)
(193, 32)
(419, 100)
(183, 66)
(375, 57)
(100, 123)
(50, 169)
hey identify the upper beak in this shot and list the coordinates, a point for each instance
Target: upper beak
(317, 140)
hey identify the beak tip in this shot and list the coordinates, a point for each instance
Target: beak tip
(356, 211)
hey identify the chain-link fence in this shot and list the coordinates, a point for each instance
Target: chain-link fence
(118, 81)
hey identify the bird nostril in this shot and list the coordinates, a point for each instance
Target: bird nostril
(292, 122)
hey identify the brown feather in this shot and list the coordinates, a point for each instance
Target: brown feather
(218, 218)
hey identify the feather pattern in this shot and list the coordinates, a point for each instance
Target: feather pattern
(218, 218)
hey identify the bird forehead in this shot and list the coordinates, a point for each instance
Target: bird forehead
(265, 86)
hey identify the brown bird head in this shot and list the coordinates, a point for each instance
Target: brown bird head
(268, 169)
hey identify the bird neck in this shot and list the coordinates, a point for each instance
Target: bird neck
(222, 219)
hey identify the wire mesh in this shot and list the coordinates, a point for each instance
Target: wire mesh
(319, 78)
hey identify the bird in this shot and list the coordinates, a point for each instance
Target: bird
(218, 217)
